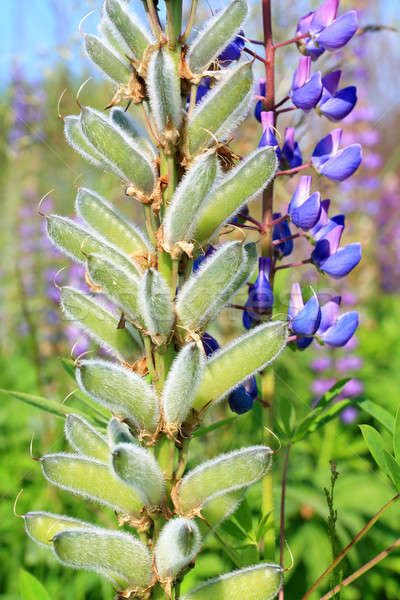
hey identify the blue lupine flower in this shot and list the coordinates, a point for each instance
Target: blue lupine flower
(202, 89)
(304, 319)
(336, 164)
(281, 231)
(328, 239)
(334, 330)
(260, 296)
(259, 105)
(343, 261)
(233, 50)
(251, 387)
(210, 344)
(291, 150)
(305, 209)
(197, 261)
(268, 137)
(240, 400)
(306, 91)
(323, 217)
(334, 104)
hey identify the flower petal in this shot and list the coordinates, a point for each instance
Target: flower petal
(329, 313)
(240, 400)
(326, 148)
(344, 328)
(339, 32)
(340, 264)
(341, 105)
(324, 15)
(307, 320)
(344, 164)
(306, 215)
(308, 95)
(296, 303)
(331, 81)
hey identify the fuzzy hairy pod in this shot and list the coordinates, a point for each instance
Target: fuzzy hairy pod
(181, 385)
(85, 439)
(216, 510)
(180, 218)
(260, 582)
(101, 325)
(114, 554)
(235, 362)
(155, 305)
(124, 156)
(127, 123)
(43, 526)
(237, 188)
(118, 433)
(103, 55)
(218, 279)
(222, 109)
(129, 27)
(114, 40)
(177, 546)
(139, 470)
(216, 35)
(121, 391)
(79, 142)
(92, 479)
(164, 90)
(225, 473)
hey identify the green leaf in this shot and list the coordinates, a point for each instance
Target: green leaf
(233, 530)
(46, 404)
(105, 58)
(31, 588)
(379, 413)
(393, 469)
(243, 517)
(286, 415)
(204, 430)
(376, 446)
(396, 435)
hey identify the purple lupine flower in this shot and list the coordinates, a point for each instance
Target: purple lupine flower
(348, 363)
(233, 50)
(251, 387)
(306, 90)
(281, 231)
(323, 217)
(268, 137)
(240, 401)
(291, 150)
(349, 415)
(328, 239)
(321, 386)
(305, 209)
(321, 364)
(259, 105)
(336, 164)
(260, 296)
(352, 389)
(210, 344)
(334, 104)
(343, 261)
(304, 319)
(197, 261)
(334, 330)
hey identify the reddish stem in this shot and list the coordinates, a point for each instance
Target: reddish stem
(285, 99)
(287, 239)
(292, 40)
(254, 55)
(294, 170)
(276, 221)
(284, 110)
(294, 264)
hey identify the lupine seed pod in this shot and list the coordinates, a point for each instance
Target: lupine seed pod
(261, 582)
(237, 188)
(101, 325)
(106, 59)
(120, 390)
(114, 554)
(235, 362)
(164, 90)
(105, 220)
(226, 473)
(180, 218)
(133, 32)
(118, 433)
(215, 511)
(126, 158)
(216, 35)
(127, 123)
(181, 385)
(155, 305)
(85, 439)
(177, 546)
(222, 109)
(114, 40)
(92, 479)
(43, 526)
(139, 470)
(79, 142)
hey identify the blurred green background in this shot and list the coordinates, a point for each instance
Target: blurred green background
(40, 57)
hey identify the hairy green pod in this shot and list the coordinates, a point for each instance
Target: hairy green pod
(238, 187)
(216, 510)
(216, 35)
(92, 479)
(138, 469)
(101, 325)
(155, 305)
(119, 433)
(222, 109)
(164, 90)
(127, 123)
(43, 526)
(181, 215)
(114, 554)
(225, 473)
(181, 385)
(79, 142)
(260, 582)
(132, 31)
(85, 439)
(235, 362)
(120, 390)
(123, 155)
(114, 40)
(105, 58)
(177, 546)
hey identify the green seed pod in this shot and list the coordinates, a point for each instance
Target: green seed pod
(139, 470)
(237, 188)
(181, 385)
(261, 582)
(226, 473)
(119, 433)
(155, 305)
(164, 90)
(217, 510)
(105, 58)
(120, 390)
(222, 109)
(114, 554)
(177, 546)
(43, 526)
(113, 38)
(216, 35)
(125, 121)
(85, 439)
(181, 215)
(235, 362)
(92, 479)
(136, 36)
(79, 142)
(101, 325)
(125, 158)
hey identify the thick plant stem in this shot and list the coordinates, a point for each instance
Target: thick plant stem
(282, 518)
(174, 22)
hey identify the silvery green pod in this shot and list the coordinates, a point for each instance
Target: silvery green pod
(79, 142)
(238, 187)
(114, 40)
(164, 90)
(115, 554)
(261, 582)
(138, 469)
(226, 473)
(85, 439)
(216, 510)
(125, 157)
(217, 33)
(155, 305)
(221, 110)
(121, 391)
(104, 56)
(177, 545)
(118, 433)
(129, 27)
(126, 122)
(43, 526)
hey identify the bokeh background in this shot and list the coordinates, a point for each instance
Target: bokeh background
(41, 56)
